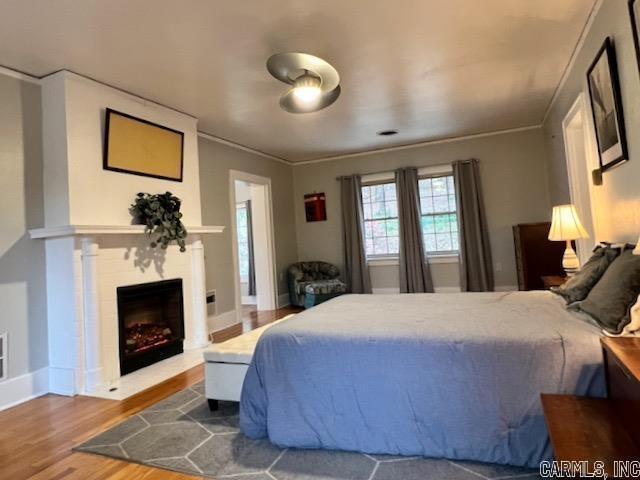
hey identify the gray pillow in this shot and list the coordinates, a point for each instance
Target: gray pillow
(610, 301)
(578, 287)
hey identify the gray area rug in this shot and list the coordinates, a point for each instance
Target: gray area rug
(181, 434)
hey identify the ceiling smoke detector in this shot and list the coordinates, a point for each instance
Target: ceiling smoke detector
(315, 84)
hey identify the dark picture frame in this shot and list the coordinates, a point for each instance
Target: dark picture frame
(145, 168)
(315, 207)
(606, 107)
(634, 15)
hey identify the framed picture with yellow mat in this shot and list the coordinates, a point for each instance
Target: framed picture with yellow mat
(140, 147)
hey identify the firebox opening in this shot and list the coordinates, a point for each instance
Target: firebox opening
(151, 323)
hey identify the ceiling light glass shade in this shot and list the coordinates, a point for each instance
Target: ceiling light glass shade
(565, 224)
(306, 88)
(316, 84)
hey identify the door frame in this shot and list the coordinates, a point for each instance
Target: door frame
(581, 189)
(272, 294)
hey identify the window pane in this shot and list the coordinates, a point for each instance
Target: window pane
(368, 230)
(430, 242)
(390, 191)
(367, 211)
(391, 209)
(427, 205)
(380, 246)
(369, 246)
(366, 194)
(442, 223)
(428, 225)
(379, 228)
(439, 226)
(394, 244)
(443, 242)
(439, 186)
(377, 193)
(378, 210)
(392, 228)
(453, 220)
(425, 187)
(441, 203)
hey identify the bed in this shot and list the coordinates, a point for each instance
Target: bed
(457, 376)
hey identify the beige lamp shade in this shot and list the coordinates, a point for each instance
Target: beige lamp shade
(565, 224)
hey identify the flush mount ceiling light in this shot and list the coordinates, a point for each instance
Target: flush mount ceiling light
(315, 84)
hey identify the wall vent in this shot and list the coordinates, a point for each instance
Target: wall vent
(211, 303)
(3, 356)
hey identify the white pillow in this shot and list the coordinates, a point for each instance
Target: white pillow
(633, 328)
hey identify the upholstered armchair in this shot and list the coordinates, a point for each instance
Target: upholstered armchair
(322, 275)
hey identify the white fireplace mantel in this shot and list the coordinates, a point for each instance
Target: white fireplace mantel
(84, 270)
(73, 230)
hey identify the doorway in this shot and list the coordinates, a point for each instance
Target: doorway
(581, 161)
(253, 243)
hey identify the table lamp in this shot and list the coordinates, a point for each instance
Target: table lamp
(566, 226)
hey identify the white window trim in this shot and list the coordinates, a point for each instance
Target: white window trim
(394, 261)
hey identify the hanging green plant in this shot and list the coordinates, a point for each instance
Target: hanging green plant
(161, 216)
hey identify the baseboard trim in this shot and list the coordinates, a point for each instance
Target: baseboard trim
(506, 288)
(222, 321)
(15, 391)
(394, 290)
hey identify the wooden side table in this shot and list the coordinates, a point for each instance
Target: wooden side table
(553, 281)
(600, 429)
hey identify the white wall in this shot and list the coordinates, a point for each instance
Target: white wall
(23, 292)
(616, 203)
(512, 170)
(78, 189)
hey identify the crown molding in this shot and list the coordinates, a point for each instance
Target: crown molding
(417, 145)
(574, 55)
(10, 72)
(229, 143)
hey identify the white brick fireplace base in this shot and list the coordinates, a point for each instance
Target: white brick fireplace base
(85, 266)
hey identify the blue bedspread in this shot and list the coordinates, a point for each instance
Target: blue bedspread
(437, 375)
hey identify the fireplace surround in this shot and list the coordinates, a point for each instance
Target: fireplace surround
(150, 323)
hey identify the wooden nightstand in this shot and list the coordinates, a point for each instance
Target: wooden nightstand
(594, 429)
(553, 281)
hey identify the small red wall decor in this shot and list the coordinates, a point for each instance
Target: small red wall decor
(315, 207)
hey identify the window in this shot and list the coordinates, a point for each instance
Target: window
(380, 207)
(243, 240)
(439, 215)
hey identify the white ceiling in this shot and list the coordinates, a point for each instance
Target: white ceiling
(428, 68)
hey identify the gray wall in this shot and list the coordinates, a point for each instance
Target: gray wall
(514, 182)
(617, 201)
(216, 160)
(22, 260)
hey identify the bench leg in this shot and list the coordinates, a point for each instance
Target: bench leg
(213, 404)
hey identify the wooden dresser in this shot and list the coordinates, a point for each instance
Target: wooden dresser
(598, 429)
(536, 255)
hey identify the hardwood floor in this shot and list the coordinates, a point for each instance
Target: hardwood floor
(254, 318)
(36, 437)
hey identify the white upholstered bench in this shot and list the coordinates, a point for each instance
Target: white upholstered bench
(226, 365)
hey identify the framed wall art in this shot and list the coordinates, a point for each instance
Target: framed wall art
(606, 105)
(140, 147)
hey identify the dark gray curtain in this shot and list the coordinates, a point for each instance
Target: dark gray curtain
(476, 269)
(356, 271)
(252, 261)
(415, 276)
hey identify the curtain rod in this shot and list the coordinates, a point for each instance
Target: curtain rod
(391, 171)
